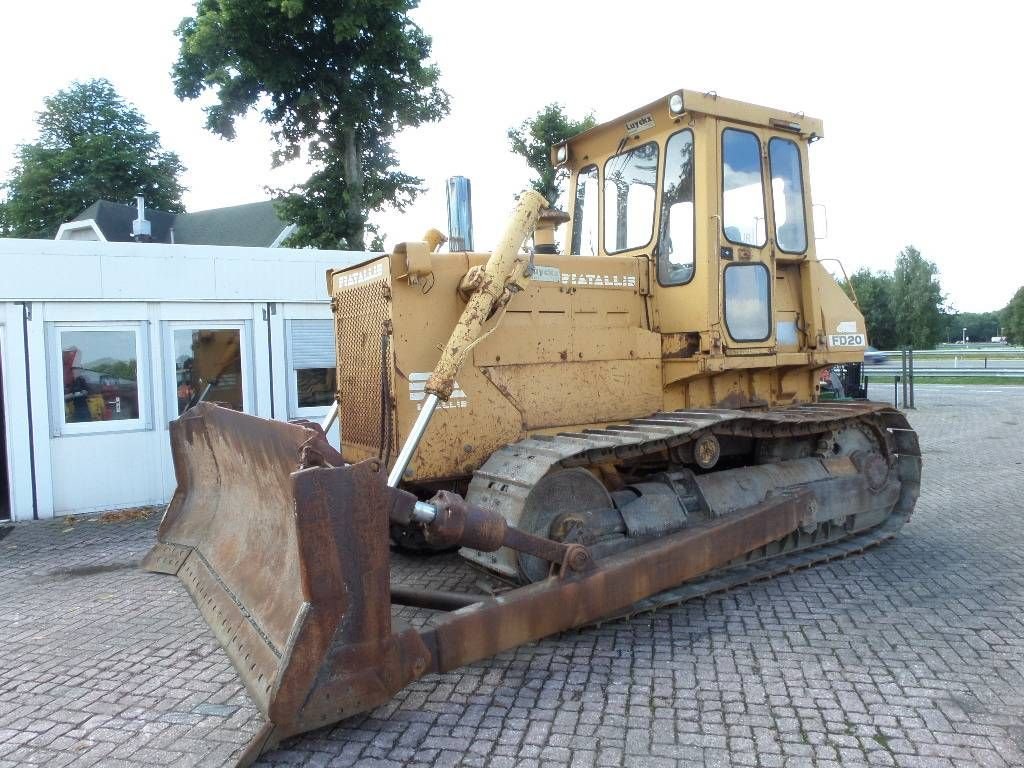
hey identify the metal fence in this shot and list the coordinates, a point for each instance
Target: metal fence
(1001, 351)
(1007, 364)
(887, 371)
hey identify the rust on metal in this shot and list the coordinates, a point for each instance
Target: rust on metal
(228, 536)
(289, 567)
(467, 525)
(554, 605)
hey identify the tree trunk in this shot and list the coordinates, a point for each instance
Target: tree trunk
(354, 182)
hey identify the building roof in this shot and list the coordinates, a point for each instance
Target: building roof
(253, 224)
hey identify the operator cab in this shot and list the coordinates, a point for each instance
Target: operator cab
(714, 193)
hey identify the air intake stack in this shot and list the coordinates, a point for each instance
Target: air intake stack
(460, 214)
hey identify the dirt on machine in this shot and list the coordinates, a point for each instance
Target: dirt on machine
(611, 426)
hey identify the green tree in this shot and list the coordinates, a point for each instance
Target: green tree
(5, 224)
(1013, 318)
(337, 77)
(918, 301)
(91, 145)
(905, 307)
(533, 140)
(874, 294)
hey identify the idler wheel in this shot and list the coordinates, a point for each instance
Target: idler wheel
(567, 494)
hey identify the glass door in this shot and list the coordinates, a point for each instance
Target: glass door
(746, 262)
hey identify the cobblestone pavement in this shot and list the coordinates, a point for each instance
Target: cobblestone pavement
(910, 655)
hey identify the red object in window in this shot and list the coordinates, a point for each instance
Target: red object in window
(68, 357)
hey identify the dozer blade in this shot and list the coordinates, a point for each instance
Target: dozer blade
(288, 566)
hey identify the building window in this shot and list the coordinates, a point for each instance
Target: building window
(100, 377)
(629, 193)
(747, 302)
(208, 367)
(315, 387)
(312, 362)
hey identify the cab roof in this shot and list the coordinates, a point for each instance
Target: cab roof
(696, 103)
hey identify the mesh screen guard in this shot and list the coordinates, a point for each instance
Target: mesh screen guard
(362, 317)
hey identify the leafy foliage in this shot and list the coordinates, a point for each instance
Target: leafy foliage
(918, 300)
(5, 224)
(91, 146)
(874, 293)
(337, 78)
(905, 307)
(533, 140)
(1013, 318)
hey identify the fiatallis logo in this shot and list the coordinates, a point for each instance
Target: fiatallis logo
(599, 281)
(360, 276)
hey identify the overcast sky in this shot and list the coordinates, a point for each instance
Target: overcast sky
(921, 104)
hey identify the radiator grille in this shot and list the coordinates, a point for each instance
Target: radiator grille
(362, 316)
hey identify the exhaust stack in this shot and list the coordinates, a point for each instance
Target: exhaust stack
(460, 214)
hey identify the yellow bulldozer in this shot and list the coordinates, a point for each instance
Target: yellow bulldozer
(625, 422)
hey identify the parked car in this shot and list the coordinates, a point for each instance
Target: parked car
(874, 357)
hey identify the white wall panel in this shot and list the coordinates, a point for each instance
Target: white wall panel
(98, 472)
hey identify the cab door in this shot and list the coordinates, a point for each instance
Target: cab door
(746, 253)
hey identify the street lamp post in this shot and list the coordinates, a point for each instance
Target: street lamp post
(965, 336)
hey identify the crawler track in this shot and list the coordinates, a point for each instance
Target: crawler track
(505, 480)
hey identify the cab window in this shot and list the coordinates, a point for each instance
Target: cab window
(742, 189)
(584, 214)
(787, 195)
(629, 193)
(747, 302)
(675, 236)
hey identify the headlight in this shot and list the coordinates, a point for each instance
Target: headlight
(675, 103)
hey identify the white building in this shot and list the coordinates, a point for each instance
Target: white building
(103, 343)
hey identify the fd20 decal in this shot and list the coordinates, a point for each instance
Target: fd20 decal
(840, 340)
